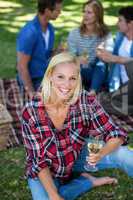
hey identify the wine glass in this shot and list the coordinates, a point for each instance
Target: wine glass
(94, 145)
(85, 54)
(63, 44)
(84, 57)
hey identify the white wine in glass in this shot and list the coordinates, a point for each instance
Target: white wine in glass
(63, 44)
(84, 57)
(85, 54)
(94, 145)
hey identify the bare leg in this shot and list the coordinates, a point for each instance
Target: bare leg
(100, 181)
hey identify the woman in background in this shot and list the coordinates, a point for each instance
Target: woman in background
(91, 34)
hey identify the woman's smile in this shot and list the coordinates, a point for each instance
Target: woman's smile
(64, 91)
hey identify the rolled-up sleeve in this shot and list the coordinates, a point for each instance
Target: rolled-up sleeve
(34, 144)
(101, 123)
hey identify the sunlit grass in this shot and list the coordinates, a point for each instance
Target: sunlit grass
(110, 20)
(14, 26)
(15, 13)
(23, 18)
(117, 3)
(79, 1)
(9, 4)
(6, 11)
(121, 3)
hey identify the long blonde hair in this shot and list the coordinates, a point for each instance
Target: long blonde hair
(64, 57)
(100, 27)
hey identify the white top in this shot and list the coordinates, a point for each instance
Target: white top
(125, 47)
(124, 51)
(46, 37)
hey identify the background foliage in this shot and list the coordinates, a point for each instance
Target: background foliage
(14, 14)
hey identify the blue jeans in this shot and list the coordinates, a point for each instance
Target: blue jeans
(94, 76)
(114, 79)
(69, 191)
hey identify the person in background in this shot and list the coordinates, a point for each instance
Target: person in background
(123, 50)
(55, 124)
(35, 44)
(91, 34)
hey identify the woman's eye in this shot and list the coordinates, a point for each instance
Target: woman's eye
(73, 78)
(60, 77)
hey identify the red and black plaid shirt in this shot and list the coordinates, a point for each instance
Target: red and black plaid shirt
(48, 147)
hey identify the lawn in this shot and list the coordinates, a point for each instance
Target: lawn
(13, 15)
(14, 187)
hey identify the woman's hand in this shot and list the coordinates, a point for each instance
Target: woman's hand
(111, 145)
(94, 158)
(29, 94)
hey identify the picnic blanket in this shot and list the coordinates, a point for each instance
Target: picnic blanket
(118, 111)
(11, 98)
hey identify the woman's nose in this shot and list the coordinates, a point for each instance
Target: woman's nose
(67, 83)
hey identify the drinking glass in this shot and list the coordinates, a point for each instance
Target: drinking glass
(85, 53)
(84, 56)
(63, 44)
(94, 145)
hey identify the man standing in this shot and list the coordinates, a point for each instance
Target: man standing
(35, 44)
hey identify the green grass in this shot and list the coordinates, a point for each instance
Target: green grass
(14, 187)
